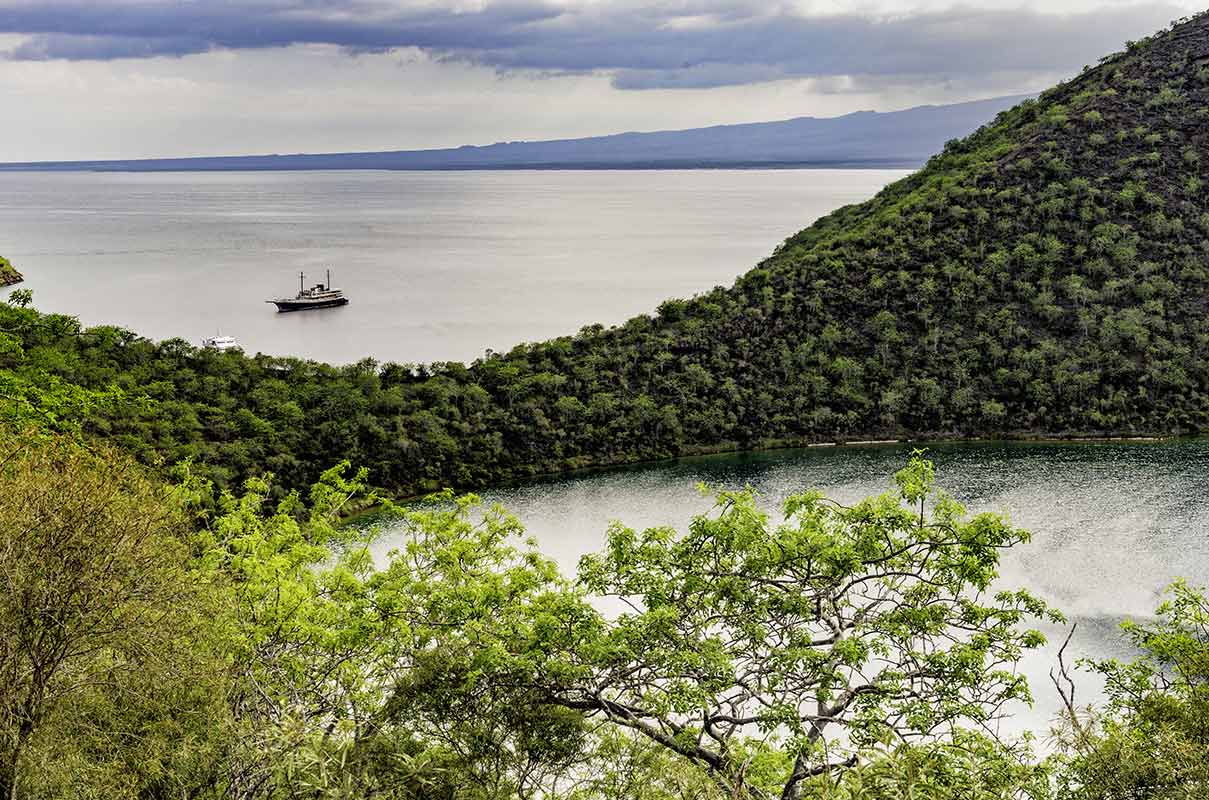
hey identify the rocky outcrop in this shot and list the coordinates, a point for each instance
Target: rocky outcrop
(8, 273)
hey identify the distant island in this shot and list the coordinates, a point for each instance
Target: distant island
(864, 139)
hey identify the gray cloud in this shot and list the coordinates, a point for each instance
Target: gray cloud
(691, 45)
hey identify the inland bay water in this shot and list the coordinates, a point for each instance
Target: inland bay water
(445, 265)
(1112, 523)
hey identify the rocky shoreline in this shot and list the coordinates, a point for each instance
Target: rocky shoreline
(8, 273)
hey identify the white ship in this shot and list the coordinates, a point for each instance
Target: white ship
(220, 343)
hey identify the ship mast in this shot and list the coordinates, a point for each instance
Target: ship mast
(329, 280)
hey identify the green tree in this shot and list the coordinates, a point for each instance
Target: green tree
(395, 678)
(969, 766)
(777, 658)
(304, 638)
(1152, 738)
(96, 601)
(623, 766)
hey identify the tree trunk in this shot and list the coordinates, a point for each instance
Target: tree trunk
(8, 774)
(10, 759)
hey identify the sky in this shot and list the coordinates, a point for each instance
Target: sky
(85, 79)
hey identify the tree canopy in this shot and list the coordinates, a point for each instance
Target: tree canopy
(178, 641)
(774, 655)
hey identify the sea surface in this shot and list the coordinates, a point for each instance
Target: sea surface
(437, 265)
(1112, 523)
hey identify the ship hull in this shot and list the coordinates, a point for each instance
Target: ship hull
(304, 305)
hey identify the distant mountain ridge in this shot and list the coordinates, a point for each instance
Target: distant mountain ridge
(862, 139)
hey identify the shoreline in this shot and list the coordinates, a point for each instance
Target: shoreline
(638, 166)
(9, 276)
(778, 445)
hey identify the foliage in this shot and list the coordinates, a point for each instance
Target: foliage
(260, 653)
(971, 766)
(301, 639)
(37, 398)
(621, 766)
(8, 273)
(267, 652)
(98, 622)
(353, 677)
(777, 657)
(1152, 740)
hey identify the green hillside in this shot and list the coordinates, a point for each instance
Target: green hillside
(1048, 275)
(8, 273)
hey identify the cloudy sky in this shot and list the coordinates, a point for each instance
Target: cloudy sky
(134, 78)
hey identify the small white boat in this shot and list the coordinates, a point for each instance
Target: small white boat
(220, 343)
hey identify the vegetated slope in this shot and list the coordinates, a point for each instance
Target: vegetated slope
(8, 273)
(1047, 275)
(865, 138)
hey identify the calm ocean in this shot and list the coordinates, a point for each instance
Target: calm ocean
(438, 265)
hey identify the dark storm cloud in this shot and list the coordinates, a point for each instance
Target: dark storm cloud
(74, 30)
(682, 46)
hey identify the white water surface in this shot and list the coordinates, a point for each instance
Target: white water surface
(437, 265)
